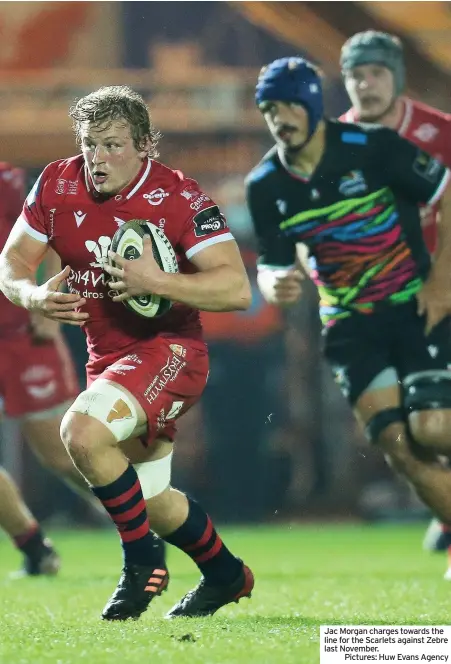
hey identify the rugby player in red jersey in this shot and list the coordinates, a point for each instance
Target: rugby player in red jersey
(39, 556)
(373, 69)
(37, 385)
(142, 373)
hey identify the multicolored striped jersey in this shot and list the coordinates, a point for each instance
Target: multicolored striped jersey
(357, 214)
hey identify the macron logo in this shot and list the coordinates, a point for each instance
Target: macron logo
(79, 218)
(281, 206)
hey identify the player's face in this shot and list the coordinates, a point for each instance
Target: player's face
(287, 122)
(110, 155)
(371, 89)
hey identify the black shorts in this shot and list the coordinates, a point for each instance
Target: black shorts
(361, 347)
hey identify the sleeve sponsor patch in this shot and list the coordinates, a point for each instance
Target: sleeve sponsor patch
(427, 167)
(197, 198)
(208, 221)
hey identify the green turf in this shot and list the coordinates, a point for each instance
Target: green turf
(305, 576)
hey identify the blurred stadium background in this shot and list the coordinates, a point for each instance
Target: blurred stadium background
(270, 401)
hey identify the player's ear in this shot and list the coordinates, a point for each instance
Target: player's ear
(144, 147)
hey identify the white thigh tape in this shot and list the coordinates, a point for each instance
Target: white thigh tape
(155, 476)
(109, 405)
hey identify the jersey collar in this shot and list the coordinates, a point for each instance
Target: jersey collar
(406, 116)
(131, 189)
(296, 173)
(351, 116)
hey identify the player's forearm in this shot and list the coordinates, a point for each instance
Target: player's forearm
(17, 282)
(219, 289)
(51, 265)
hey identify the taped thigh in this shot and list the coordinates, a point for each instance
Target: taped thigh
(109, 405)
(427, 390)
(154, 476)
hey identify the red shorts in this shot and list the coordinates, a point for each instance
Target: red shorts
(35, 377)
(167, 376)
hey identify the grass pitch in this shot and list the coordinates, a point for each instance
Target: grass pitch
(305, 576)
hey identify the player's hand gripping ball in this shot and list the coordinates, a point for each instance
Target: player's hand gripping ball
(128, 243)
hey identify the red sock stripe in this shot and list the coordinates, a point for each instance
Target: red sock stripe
(114, 502)
(22, 539)
(137, 533)
(204, 539)
(130, 514)
(211, 553)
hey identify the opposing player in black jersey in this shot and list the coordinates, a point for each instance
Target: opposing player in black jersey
(350, 195)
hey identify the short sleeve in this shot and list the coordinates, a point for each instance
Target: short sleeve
(275, 250)
(415, 174)
(203, 223)
(33, 218)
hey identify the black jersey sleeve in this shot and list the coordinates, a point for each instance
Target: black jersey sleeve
(274, 248)
(415, 174)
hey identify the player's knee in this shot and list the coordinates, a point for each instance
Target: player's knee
(104, 407)
(431, 428)
(73, 434)
(428, 404)
(82, 434)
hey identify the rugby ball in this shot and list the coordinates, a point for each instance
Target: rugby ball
(128, 243)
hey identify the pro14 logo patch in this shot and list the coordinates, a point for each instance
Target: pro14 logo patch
(352, 183)
(208, 221)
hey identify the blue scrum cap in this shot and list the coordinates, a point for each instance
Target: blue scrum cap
(293, 80)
